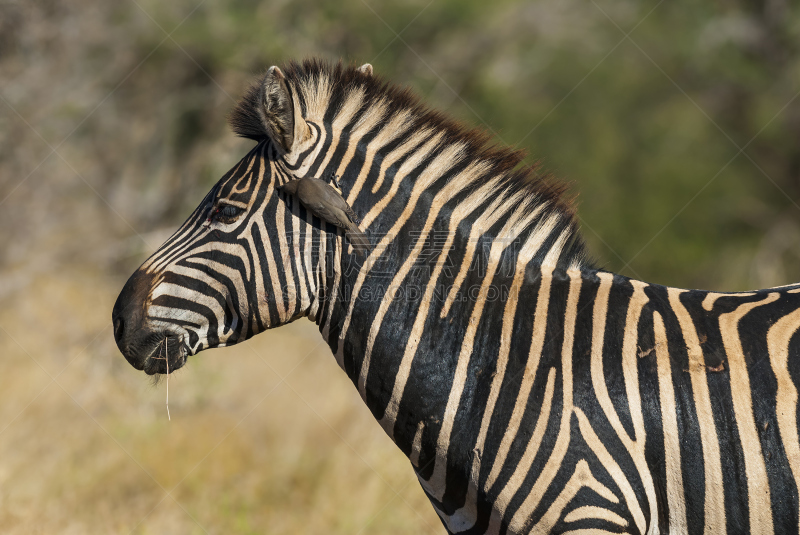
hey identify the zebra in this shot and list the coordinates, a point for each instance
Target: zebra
(531, 391)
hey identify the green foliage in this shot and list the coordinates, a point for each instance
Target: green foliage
(647, 126)
(112, 128)
(643, 107)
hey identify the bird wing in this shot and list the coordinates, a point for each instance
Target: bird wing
(339, 217)
(351, 214)
(328, 213)
(337, 202)
(322, 199)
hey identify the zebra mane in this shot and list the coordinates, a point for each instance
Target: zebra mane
(324, 88)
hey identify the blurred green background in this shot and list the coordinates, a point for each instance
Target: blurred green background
(677, 124)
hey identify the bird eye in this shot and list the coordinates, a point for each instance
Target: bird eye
(227, 213)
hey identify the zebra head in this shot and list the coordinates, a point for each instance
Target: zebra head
(248, 258)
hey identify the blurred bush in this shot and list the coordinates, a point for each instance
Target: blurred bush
(677, 123)
(644, 107)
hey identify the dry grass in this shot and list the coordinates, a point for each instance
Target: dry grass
(268, 436)
(85, 444)
(138, 122)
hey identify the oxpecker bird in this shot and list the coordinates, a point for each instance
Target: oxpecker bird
(322, 200)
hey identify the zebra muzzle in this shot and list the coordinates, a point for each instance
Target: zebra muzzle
(145, 344)
(168, 355)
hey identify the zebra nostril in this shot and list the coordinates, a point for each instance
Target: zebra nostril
(118, 328)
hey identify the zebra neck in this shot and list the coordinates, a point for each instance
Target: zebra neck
(409, 303)
(450, 241)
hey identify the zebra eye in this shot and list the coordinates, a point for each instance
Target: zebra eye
(227, 213)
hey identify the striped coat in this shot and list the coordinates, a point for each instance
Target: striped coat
(531, 392)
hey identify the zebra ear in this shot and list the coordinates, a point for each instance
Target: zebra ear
(366, 69)
(281, 113)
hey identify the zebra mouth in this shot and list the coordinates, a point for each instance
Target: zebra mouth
(168, 355)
